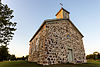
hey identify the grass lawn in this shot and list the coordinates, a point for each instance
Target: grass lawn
(29, 64)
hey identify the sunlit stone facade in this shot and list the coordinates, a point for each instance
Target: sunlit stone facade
(57, 41)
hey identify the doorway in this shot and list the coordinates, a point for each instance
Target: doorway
(70, 55)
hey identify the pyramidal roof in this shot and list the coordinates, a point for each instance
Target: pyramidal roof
(63, 10)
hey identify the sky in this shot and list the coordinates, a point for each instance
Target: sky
(30, 14)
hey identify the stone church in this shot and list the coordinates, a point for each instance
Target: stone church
(57, 41)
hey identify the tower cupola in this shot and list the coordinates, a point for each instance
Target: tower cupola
(62, 13)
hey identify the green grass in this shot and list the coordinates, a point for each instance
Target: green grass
(18, 64)
(29, 64)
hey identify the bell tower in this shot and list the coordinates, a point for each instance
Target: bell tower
(62, 13)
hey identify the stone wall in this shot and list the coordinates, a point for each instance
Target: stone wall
(51, 44)
(61, 36)
(37, 47)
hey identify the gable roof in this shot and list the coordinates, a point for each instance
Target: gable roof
(49, 20)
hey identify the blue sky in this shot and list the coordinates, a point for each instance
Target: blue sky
(29, 15)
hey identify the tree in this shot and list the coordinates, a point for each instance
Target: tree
(6, 26)
(91, 56)
(12, 57)
(26, 57)
(3, 52)
(23, 58)
(95, 55)
(98, 55)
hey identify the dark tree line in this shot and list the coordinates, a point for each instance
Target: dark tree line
(14, 58)
(95, 56)
(5, 56)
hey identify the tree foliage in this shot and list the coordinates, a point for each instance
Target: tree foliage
(6, 26)
(3, 52)
(12, 57)
(95, 56)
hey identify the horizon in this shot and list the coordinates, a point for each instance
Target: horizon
(29, 16)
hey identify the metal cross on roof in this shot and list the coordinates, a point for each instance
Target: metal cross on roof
(61, 4)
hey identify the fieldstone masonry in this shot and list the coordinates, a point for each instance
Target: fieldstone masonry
(57, 41)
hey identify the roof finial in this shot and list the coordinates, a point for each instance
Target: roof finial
(61, 5)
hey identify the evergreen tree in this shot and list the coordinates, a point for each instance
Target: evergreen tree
(6, 26)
